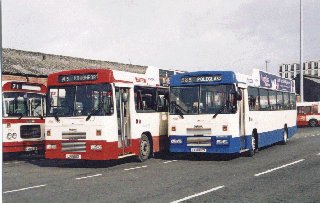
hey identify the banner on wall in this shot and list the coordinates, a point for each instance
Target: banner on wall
(276, 82)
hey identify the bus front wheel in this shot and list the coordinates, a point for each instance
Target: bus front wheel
(145, 148)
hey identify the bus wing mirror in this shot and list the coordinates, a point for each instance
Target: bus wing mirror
(238, 95)
(125, 97)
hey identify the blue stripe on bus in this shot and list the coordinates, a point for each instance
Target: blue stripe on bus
(271, 137)
(228, 77)
(235, 144)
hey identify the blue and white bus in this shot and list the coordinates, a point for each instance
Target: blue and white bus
(225, 112)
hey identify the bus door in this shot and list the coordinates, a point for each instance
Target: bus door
(242, 123)
(123, 117)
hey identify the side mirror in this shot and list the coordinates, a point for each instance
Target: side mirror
(125, 97)
(238, 95)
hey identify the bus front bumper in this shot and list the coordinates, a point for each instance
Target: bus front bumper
(212, 144)
(23, 146)
(85, 149)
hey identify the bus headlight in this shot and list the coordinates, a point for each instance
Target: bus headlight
(14, 135)
(48, 132)
(96, 147)
(222, 142)
(176, 141)
(51, 146)
(9, 136)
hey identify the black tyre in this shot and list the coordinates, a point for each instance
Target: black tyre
(145, 148)
(313, 123)
(285, 136)
(254, 145)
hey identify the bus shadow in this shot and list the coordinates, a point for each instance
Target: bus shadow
(21, 157)
(196, 156)
(82, 163)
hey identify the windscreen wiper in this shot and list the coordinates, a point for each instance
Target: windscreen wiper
(56, 116)
(20, 115)
(39, 115)
(178, 108)
(94, 111)
(220, 110)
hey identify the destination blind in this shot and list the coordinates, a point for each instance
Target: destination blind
(201, 79)
(77, 78)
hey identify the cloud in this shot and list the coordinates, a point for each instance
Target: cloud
(189, 35)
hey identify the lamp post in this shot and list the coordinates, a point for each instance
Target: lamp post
(267, 61)
(301, 53)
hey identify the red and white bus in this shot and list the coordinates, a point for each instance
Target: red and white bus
(23, 116)
(102, 114)
(308, 114)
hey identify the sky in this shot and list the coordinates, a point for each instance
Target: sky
(189, 35)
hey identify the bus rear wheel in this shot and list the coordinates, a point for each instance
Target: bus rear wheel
(285, 136)
(254, 147)
(313, 123)
(145, 148)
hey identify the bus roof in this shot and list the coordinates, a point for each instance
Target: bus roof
(203, 77)
(13, 86)
(257, 79)
(153, 77)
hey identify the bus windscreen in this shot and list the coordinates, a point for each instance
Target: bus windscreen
(80, 100)
(202, 99)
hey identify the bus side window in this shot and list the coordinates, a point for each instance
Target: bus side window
(162, 100)
(292, 101)
(273, 100)
(286, 103)
(145, 99)
(279, 100)
(253, 98)
(264, 100)
(314, 109)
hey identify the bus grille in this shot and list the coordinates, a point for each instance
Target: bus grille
(74, 146)
(199, 131)
(73, 135)
(199, 141)
(30, 131)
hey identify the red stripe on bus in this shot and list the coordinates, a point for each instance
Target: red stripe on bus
(21, 146)
(110, 150)
(15, 120)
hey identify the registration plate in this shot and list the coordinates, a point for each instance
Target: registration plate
(198, 149)
(73, 156)
(28, 149)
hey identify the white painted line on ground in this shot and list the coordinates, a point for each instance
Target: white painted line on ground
(27, 188)
(313, 135)
(169, 161)
(89, 176)
(198, 194)
(319, 154)
(15, 162)
(268, 171)
(128, 169)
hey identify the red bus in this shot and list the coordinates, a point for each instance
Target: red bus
(308, 114)
(102, 114)
(23, 116)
